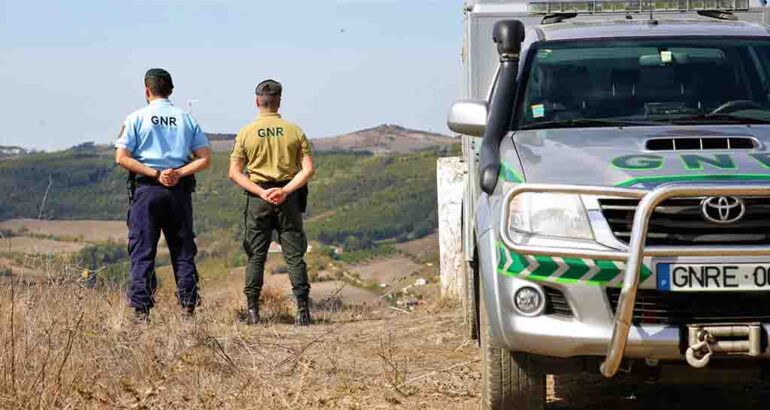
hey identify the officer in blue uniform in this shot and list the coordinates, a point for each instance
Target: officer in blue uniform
(162, 147)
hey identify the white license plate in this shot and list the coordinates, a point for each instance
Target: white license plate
(683, 277)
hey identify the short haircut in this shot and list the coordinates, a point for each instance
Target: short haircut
(270, 101)
(159, 86)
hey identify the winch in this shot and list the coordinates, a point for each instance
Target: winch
(707, 340)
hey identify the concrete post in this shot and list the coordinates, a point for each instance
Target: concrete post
(451, 183)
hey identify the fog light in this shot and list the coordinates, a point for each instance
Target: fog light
(529, 301)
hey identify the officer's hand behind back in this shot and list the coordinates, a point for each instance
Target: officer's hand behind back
(267, 194)
(278, 196)
(169, 178)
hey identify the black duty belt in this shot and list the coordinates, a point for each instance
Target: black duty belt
(268, 185)
(273, 184)
(188, 183)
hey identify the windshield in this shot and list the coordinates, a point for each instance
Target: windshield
(646, 81)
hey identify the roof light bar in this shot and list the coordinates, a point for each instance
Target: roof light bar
(634, 6)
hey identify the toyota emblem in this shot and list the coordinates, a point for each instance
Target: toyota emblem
(723, 209)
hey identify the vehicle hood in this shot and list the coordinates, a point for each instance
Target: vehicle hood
(618, 157)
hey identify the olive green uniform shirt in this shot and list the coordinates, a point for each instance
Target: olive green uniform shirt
(272, 149)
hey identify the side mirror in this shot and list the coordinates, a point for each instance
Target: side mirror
(468, 117)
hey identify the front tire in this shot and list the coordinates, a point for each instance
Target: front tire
(507, 381)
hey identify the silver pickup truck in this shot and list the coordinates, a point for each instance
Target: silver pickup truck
(619, 199)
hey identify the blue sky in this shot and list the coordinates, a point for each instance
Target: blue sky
(70, 71)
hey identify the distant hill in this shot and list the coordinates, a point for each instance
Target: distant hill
(383, 139)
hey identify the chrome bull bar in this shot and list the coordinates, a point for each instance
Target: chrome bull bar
(649, 200)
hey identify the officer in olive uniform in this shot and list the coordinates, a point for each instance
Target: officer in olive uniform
(278, 162)
(156, 145)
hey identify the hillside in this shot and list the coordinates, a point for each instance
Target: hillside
(356, 197)
(383, 139)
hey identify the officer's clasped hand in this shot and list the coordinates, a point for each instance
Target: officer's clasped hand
(169, 178)
(275, 196)
(278, 196)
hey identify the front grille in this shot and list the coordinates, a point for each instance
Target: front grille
(709, 143)
(682, 308)
(681, 222)
(556, 303)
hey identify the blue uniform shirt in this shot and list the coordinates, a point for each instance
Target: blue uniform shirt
(161, 136)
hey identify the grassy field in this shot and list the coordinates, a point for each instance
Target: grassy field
(84, 352)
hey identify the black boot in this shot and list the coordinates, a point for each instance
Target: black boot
(252, 317)
(141, 316)
(188, 312)
(303, 313)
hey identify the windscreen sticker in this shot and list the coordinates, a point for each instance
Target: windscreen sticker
(666, 57)
(538, 110)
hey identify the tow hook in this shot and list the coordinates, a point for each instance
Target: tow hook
(705, 341)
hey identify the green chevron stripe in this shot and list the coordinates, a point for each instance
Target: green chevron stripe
(576, 269)
(547, 266)
(659, 179)
(519, 263)
(509, 174)
(501, 257)
(608, 271)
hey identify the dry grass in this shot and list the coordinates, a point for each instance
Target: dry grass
(69, 347)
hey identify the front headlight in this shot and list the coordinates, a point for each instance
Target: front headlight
(561, 215)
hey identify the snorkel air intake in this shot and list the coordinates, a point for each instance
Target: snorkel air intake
(508, 35)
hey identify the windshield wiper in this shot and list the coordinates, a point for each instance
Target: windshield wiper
(715, 118)
(585, 122)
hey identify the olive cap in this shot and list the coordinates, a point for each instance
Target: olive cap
(269, 88)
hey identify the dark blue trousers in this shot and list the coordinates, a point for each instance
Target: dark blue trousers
(157, 209)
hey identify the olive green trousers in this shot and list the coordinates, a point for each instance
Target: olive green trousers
(261, 220)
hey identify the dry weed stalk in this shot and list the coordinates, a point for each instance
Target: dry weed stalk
(393, 369)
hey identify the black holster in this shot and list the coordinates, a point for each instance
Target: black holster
(131, 187)
(303, 193)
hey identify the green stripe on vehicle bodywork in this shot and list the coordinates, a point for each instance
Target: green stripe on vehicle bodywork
(608, 270)
(574, 270)
(509, 174)
(546, 266)
(577, 269)
(658, 179)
